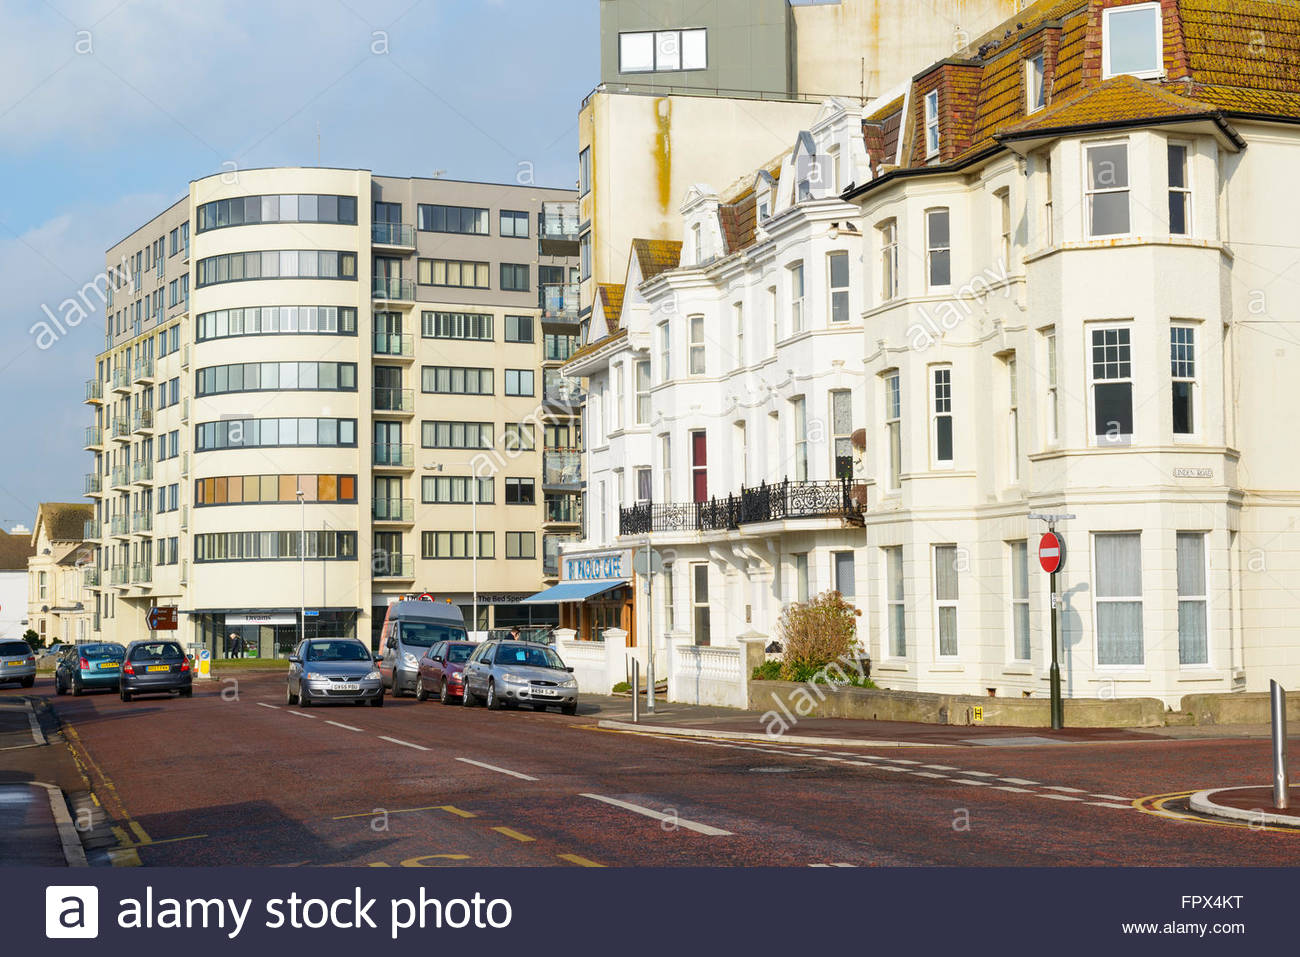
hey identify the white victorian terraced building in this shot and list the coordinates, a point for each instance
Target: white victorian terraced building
(1048, 276)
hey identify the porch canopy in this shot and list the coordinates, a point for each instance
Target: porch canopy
(573, 591)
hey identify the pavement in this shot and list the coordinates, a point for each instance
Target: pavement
(234, 776)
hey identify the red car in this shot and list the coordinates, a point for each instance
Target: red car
(440, 670)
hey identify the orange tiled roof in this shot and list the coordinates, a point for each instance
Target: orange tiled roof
(1118, 100)
(656, 255)
(739, 219)
(611, 301)
(884, 112)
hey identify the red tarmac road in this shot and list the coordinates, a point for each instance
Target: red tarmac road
(246, 780)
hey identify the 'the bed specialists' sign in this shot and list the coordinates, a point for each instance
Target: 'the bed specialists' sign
(597, 566)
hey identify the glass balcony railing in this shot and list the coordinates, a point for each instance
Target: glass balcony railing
(392, 565)
(392, 234)
(394, 456)
(122, 428)
(121, 380)
(559, 301)
(142, 421)
(393, 290)
(562, 469)
(142, 471)
(142, 522)
(94, 390)
(393, 510)
(90, 530)
(562, 390)
(143, 369)
(94, 484)
(551, 553)
(141, 573)
(90, 577)
(393, 400)
(564, 509)
(121, 477)
(119, 575)
(117, 525)
(394, 344)
(559, 222)
(94, 437)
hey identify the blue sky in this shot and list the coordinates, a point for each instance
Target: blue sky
(108, 108)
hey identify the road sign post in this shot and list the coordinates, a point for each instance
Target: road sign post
(162, 618)
(1051, 556)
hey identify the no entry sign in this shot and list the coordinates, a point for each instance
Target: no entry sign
(1051, 552)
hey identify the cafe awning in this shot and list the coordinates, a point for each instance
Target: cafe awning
(573, 591)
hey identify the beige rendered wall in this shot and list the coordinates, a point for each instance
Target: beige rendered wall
(865, 47)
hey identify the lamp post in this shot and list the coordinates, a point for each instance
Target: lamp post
(302, 558)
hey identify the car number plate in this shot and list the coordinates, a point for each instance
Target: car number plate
(344, 687)
(545, 692)
(20, 661)
(108, 665)
(159, 668)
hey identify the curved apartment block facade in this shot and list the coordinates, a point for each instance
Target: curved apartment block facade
(320, 359)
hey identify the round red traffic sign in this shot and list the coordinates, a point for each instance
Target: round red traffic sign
(1051, 552)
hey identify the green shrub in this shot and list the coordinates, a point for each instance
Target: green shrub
(622, 687)
(815, 633)
(768, 671)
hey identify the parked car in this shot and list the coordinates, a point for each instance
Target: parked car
(410, 629)
(17, 663)
(89, 667)
(441, 669)
(51, 654)
(519, 672)
(155, 667)
(333, 669)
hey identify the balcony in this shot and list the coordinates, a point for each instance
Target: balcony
(393, 401)
(392, 290)
(95, 391)
(142, 522)
(395, 510)
(119, 575)
(143, 370)
(121, 380)
(557, 229)
(397, 235)
(766, 503)
(394, 457)
(559, 302)
(142, 421)
(391, 345)
(141, 573)
(122, 429)
(563, 391)
(563, 510)
(142, 472)
(394, 567)
(562, 470)
(117, 526)
(94, 437)
(90, 577)
(94, 484)
(120, 478)
(90, 530)
(551, 553)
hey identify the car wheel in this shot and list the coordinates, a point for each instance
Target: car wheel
(28, 682)
(442, 693)
(377, 702)
(124, 695)
(289, 697)
(76, 688)
(493, 700)
(569, 708)
(304, 699)
(187, 692)
(420, 693)
(58, 686)
(397, 688)
(466, 696)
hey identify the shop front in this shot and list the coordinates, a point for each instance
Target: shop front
(596, 593)
(270, 633)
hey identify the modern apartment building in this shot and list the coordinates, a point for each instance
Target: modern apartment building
(1065, 284)
(323, 388)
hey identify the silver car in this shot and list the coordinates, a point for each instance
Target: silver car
(333, 669)
(512, 673)
(17, 663)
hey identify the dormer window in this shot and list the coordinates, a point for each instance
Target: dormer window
(1035, 85)
(932, 124)
(1132, 41)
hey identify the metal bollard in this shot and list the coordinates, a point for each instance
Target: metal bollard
(1281, 789)
(636, 695)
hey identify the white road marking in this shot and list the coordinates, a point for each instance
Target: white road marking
(345, 727)
(1059, 797)
(1058, 787)
(998, 787)
(405, 744)
(1017, 781)
(263, 704)
(1111, 797)
(493, 767)
(833, 865)
(300, 714)
(698, 828)
(1122, 807)
(930, 774)
(980, 774)
(939, 767)
(978, 784)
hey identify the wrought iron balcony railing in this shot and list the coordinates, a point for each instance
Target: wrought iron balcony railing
(766, 503)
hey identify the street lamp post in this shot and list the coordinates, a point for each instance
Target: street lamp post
(302, 558)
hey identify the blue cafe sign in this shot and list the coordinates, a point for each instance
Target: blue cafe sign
(598, 566)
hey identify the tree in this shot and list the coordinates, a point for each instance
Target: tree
(32, 639)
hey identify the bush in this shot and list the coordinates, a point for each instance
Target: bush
(33, 639)
(815, 633)
(622, 688)
(768, 671)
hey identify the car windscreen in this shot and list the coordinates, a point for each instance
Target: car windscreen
(527, 656)
(459, 654)
(425, 633)
(156, 649)
(12, 649)
(102, 651)
(337, 651)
